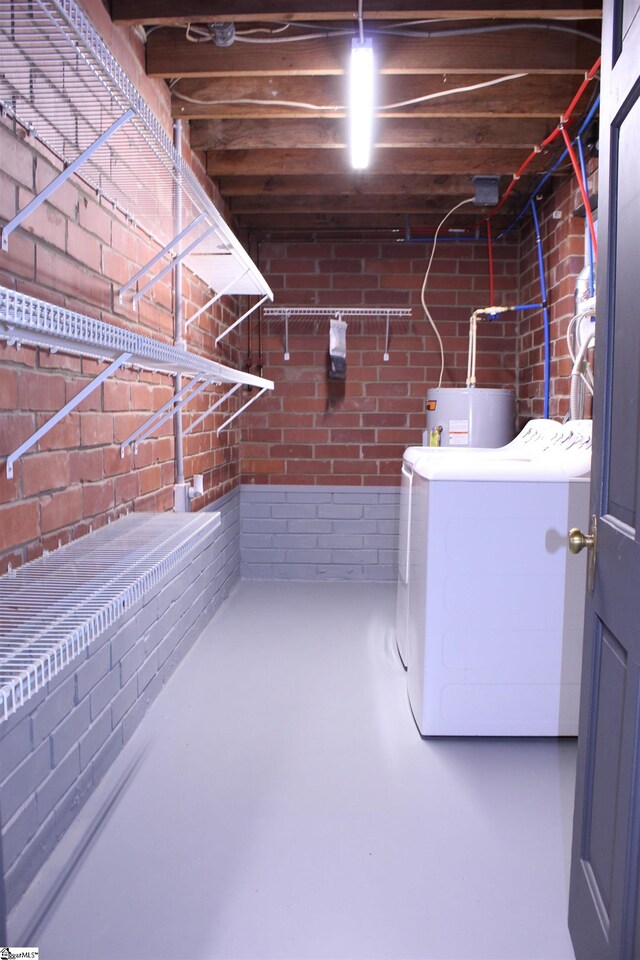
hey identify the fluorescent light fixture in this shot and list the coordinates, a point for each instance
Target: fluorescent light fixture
(361, 103)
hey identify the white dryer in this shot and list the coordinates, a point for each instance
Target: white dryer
(495, 600)
(535, 437)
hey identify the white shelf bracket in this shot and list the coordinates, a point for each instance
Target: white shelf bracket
(174, 263)
(286, 337)
(71, 405)
(385, 355)
(151, 263)
(172, 407)
(226, 423)
(214, 406)
(217, 296)
(244, 316)
(63, 176)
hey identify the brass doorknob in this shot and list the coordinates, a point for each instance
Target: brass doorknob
(579, 540)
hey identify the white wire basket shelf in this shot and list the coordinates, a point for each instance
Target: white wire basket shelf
(53, 608)
(27, 320)
(60, 82)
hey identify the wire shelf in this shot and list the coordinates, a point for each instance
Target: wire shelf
(27, 320)
(60, 82)
(53, 608)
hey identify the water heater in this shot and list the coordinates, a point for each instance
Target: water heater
(469, 417)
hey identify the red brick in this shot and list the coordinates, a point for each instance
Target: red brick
(96, 428)
(17, 157)
(14, 430)
(116, 395)
(64, 435)
(97, 498)
(150, 479)
(127, 487)
(45, 471)
(18, 523)
(85, 466)
(61, 509)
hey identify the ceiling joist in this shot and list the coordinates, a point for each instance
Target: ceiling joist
(168, 12)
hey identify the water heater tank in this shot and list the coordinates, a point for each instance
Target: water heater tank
(470, 416)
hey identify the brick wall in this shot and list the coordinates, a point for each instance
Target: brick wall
(312, 430)
(562, 234)
(76, 251)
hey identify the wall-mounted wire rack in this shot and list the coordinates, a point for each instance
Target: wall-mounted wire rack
(289, 313)
(27, 320)
(59, 81)
(53, 608)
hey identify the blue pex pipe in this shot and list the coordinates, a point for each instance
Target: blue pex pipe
(583, 126)
(524, 306)
(583, 170)
(545, 310)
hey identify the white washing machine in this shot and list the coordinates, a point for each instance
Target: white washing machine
(536, 436)
(495, 600)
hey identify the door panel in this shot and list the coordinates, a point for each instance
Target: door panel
(604, 901)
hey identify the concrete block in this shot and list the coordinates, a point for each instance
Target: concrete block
(106, 755)
(147, 671)
(32, 858)
(254, 509)
(97, 734)
(356, 526)
(133, 719)
(340, 541)
(253, 525)
(381, 541)
(92, 670)
(257, 571)
(299, 541)
(308, 495)
(382, 512)
(258, 541)
(123, 641)
(250, 493)
(15, 746)
(131, 662)
(309, 526)
(69, 731)
(69, 806)
(296, 511)
(356, 497)
(388, 526)
(263, 556)
(340, 511)
(104, 692)
(53, 709)
(23, 781)
(308, 556)
(57, 783)
(123, 701)
(354, 556)
(17, 833)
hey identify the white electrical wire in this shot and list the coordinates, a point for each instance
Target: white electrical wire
(336, 106)
(426, 280)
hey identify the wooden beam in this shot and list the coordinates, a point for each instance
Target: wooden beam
(311, 222)
(473, 160)
(346, 184)
(168, 12)
(531, 96)
(169, 54)
(245, 207)
(401, 133)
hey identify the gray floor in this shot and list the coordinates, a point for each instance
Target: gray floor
(279, 802)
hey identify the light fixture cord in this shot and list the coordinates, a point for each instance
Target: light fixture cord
(360, 21)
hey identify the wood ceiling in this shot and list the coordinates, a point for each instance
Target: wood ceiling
(284, 169)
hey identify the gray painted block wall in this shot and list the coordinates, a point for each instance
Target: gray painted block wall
(319, 533)
(55, 750)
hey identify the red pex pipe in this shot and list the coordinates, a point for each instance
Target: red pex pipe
(490, 249)
(565, 118)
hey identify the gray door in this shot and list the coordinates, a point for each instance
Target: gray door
(604, 902)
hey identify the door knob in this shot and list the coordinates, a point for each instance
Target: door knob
(578, 541)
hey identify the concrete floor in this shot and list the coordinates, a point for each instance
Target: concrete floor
(278, 802)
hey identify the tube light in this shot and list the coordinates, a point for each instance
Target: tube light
(361, 103)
